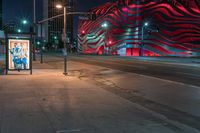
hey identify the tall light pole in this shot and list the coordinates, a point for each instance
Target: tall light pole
(34, 23)
(105, 26)
(19, 30)
(41, 47)
(24, 22)
(59, 6)
(142, 43)
(64, 41)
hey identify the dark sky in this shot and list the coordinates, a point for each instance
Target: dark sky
(15, 10)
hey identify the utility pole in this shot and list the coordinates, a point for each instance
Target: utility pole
(146, 26)
(64, 40)
(92, 16)
(41, 47)
(142, 42)
(34, 25)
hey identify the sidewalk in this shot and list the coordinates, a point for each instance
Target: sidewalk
(2, 66)
(48, 102)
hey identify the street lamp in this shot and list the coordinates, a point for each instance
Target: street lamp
(34, 28)
(146, 24)
(19, 30)
(59, 6)
(55, 37)
(38, 43)
(105, 26)
(142, 43)
(41, 47)
(24, 22)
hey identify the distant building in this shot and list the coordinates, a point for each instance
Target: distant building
(9, 27)
(53, 29)
(2, 42)
(142, 28)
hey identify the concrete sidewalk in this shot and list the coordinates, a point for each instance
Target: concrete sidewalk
(2, 56)
(2, 66)
(48, 102)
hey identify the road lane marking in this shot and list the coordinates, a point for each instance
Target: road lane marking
(195, 75)
(169, 81)
(68, 131)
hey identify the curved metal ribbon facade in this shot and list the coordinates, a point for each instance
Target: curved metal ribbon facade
(178, 23)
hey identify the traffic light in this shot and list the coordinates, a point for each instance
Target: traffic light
(83, 32)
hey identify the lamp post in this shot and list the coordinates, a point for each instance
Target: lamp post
(59, 6)
(150, 30)
(41, 47)
(142, 43)
(34, 24)
(19, 30)
(24, 22)
(105, 26)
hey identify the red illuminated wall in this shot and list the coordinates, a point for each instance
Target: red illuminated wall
(178, 22)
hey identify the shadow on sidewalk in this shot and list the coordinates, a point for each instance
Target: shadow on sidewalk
(2, 69)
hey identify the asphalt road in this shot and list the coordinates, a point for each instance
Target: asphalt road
(177, 101)
(49, 102)
(81, 102)
(187, 73)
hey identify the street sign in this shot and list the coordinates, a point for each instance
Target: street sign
(83, 17)
(90, 16)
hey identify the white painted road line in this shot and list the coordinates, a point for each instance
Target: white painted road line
(68, 131)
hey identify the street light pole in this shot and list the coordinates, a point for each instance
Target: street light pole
(64, 35)
(41, 47)
(142, 42)
(34, 22)
(105, 41)
(105, 26)
(64, 41)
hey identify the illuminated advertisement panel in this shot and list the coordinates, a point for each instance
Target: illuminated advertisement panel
(18, 54)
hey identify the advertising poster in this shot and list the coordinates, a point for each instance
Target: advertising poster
(18, 54)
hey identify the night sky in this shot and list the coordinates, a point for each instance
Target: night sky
(15, 10)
